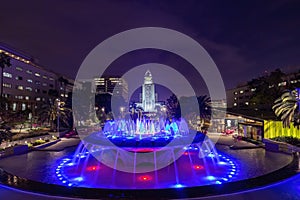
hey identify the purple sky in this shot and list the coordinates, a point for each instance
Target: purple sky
(244, 38)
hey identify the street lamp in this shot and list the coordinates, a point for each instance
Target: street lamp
(58, 113)
(122, 109)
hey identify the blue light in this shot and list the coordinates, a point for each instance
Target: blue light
(64, 181)
(211, 155)
(232, 173)
(222, 163)
(78, 179)
(178, 186)
(230, 176)
(225, 179)
(71, 164)
(211, 178)
(70, 184)
(218, 182)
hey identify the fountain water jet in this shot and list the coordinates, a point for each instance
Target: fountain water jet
(199, 163)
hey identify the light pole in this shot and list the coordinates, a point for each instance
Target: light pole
(122, 109)
(58, 113)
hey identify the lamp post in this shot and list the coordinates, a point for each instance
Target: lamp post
(122, 109)
(58, 113)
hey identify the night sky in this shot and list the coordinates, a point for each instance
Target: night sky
(244, 38)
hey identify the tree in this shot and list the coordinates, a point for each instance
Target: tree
(173, 107)
(287, 108)
(5, 133)
(50, 112)
(266, 90)
(204, 106)
(4, 62)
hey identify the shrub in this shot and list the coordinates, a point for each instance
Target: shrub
(288, 139)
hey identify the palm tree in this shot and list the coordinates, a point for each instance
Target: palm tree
(287, 108)
(50, 112)
(4, 62)
(204, 106)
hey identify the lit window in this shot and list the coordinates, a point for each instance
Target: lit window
(14, 106)
(242, 91)
(19, 78)
(19, 87)
(294, 81)
(253, 89)
(282, 83)
(27, 97)
(38, 99)
(235, 104)
(38, 82)
(235, 98)
(28, 89)
(19, 68)
(45, 77)
(247, 103)
(19, 97)
(44, 84)
(51, 79)
(37, 74)
(7, 85)
(23, 106)
(7, 75)
(29, 80)
(28, 71)
(37, 90)
(235, 93)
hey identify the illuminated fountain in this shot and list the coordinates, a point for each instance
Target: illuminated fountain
(145, 128)
(148, 154)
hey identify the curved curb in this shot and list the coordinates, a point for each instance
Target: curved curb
(188, 192)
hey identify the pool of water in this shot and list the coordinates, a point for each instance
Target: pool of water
(187, 171)
(43, 166)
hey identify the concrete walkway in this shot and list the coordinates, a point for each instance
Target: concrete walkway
(228, 140)
(62, 144)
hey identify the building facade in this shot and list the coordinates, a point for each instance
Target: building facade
(27, 85)
(240, 97)
(149, 101)
(112, 85)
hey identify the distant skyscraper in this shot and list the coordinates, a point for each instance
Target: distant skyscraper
(148, 93)
(112, 85)
(148, 103)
